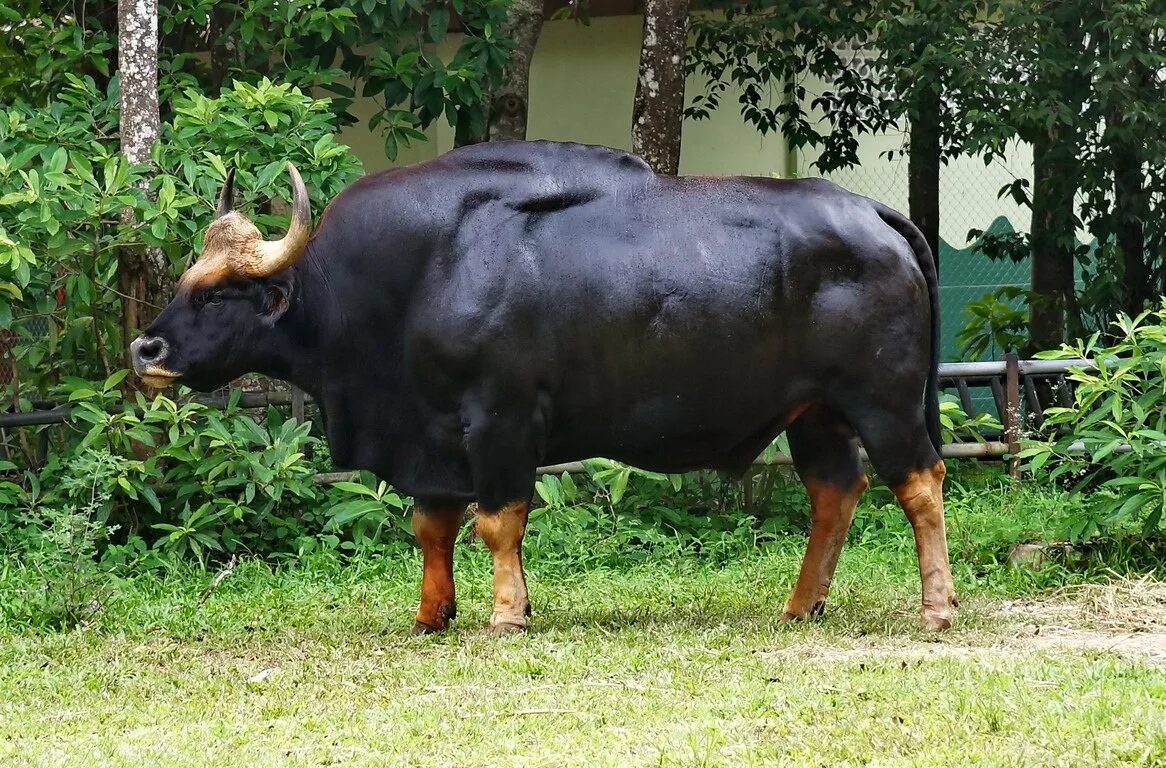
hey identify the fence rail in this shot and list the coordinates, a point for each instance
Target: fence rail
(1005, 378)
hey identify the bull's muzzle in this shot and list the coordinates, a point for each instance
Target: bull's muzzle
(148, 354)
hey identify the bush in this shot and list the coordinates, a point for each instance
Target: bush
(995, 323)
(175, 478)
(56, 539)
(614, 511)
(1113, 438)
(64, 185)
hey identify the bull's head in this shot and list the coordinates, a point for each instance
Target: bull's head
(228, 302)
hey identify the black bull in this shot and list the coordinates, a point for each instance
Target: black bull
(464, 320)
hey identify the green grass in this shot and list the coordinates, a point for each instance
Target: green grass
(676, 661)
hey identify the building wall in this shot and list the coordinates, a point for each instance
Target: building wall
(582, 83)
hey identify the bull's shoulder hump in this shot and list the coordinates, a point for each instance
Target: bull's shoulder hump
(525, 176)
(549, 157)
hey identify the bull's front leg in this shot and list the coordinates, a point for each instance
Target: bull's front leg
(502, 530)
(501, 433)
(436, 526)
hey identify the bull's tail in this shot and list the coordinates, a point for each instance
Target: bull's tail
(918, 243)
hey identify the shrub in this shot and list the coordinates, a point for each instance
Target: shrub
(1113, 438)
(995, 323)
(184, 479)
(614, 512)
(955, 425)
(56, 540)
(64, 185)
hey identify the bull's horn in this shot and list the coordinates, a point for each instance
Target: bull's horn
(226, 196)
(277, 255)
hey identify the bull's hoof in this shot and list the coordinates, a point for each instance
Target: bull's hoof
(936, 621)
(792, 614)
(504, 628)
(439, 623)
(421, 628)
(936, 618)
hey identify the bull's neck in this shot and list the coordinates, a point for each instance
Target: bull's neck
(299, 351)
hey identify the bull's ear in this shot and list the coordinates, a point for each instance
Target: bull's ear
(276, 300)
(226, 195)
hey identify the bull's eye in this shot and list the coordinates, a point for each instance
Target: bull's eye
(212, 297)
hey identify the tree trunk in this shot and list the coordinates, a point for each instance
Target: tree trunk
(1131, 200)
(509, 105)
(923, 163)
(1137, 289)
(658, 111)
(222, 49)
(143, 273)
(1053, 236)
(1126, 158)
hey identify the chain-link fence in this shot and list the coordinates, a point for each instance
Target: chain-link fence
(969, 199)
(37, 327)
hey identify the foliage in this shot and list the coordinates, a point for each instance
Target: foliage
(995, 323)
(44, 43)
(374, 510)
(1034, 87)
(956, 425)
(616, 508)
(1114, 435)
(59, 538)
(186, 480)
(1080, 81)
(181, 480)
(1089, 76)
(634, 512)
(64, 184)
(844, 68)
(387, 47)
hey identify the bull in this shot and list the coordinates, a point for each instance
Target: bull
(464, 320)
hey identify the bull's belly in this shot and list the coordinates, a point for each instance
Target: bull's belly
(675, 434)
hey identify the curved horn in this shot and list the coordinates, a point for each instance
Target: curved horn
(227, 195)
(277, 255)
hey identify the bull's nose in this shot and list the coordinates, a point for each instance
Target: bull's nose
(147, 351)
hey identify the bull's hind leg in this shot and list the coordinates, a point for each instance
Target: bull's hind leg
(436, 526)
(921, 496)
(826, 457)
(904, 457)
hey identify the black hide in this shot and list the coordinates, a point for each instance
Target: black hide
(464, 320)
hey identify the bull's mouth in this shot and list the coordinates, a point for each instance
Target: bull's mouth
(158, 377)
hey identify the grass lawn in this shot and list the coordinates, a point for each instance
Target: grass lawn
(674, 661)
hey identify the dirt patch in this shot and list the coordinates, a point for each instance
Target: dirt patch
(1125, 617)
(1119, 606)
(1148, 645)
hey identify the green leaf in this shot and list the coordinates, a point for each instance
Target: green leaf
(438, 23)
(357, 488)
(619, 485)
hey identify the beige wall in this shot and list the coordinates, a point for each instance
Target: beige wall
(968, 189)
(582, 84)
